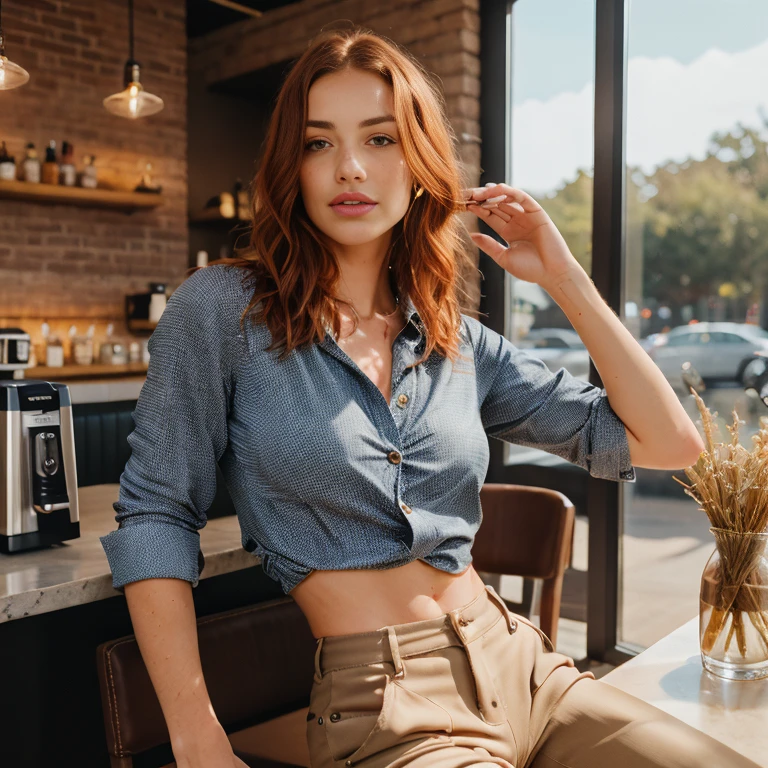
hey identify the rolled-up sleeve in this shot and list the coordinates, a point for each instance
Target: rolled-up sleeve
(523, 402)
(180, 433)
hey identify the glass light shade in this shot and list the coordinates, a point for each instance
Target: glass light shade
(133, 102)
(11, 75)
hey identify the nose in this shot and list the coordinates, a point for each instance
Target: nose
(350, 168)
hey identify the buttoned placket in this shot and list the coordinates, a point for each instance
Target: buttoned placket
(403, 388)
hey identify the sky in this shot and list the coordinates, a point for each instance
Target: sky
(695, 66)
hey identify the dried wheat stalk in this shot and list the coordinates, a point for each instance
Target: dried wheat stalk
(730, 484)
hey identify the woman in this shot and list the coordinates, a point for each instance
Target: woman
(348, 403)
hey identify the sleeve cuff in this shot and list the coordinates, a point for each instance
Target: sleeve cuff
(153, 550)
(609, 457)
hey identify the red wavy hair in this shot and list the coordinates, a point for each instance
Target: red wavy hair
(289, 262)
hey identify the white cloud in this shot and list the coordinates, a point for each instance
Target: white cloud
(672, 111)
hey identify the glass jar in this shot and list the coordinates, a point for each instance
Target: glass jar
(733, 610)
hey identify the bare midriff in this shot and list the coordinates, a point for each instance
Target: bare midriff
(352, 601)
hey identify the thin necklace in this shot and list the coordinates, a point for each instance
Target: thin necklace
(379, 314)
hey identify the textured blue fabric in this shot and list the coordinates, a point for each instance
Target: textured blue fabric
(306, 444)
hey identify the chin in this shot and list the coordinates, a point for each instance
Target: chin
(355, 232)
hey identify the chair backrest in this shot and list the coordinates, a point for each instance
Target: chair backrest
(527, 531)
(258, 663)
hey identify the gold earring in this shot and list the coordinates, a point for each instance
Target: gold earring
(418, 193)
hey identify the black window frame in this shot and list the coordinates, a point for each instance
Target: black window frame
(603, 500)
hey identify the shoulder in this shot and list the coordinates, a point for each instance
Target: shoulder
(483, 340)
(204, 312)
(219, 288)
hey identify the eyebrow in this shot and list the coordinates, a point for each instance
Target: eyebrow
(364, 124)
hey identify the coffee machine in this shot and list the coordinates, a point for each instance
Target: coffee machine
(38, 478)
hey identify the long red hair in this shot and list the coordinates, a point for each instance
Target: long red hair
(289, 263)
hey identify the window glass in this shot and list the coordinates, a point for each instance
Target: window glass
(696, 252)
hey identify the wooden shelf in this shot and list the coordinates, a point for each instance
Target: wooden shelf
(83, 371)
(96, 198)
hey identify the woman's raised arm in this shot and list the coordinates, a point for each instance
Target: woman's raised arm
(659, 432)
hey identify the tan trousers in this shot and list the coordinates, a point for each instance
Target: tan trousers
(480, 686)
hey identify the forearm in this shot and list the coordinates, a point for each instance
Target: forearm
(163, 617)
(659, 431)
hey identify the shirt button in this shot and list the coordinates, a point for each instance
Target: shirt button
(394, 457)
(406, 508)
(402, 400)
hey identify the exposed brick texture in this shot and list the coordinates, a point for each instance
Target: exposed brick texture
(66, 263)
(61, 261)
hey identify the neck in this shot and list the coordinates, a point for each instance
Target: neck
(364, 278)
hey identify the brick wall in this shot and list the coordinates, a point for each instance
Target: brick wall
(76, 264)
(443, 34)
(66, 262)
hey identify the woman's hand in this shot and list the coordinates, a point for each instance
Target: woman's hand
(206, 747)
(536, 251)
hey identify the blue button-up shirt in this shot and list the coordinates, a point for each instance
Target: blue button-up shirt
(325, 473)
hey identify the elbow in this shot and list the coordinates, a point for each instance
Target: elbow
(695, 447)
(674, 452)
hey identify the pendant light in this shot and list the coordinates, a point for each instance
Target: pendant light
(133, 101)
(11, 75)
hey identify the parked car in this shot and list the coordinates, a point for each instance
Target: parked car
(558, 348)
(720, 352)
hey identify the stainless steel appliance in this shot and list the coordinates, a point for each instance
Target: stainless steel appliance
(14, 352)
(38, 477)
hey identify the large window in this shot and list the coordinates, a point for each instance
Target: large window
(642, 128)
(696, 263)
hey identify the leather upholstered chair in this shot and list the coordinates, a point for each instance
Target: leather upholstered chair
(527, 531)
(258, 662)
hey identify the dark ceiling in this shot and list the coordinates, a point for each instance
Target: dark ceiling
(204, 16)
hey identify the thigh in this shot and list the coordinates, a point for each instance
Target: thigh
(595, 725)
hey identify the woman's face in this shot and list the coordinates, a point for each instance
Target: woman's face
(352, 145)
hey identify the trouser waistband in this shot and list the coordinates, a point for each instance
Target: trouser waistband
(393, 643)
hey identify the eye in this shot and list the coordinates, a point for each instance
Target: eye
(382, 136)
(310, 144)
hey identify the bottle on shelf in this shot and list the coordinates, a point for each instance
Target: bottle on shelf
(7, 164)
(30, 168)
(202, 259)
(51, 165)
(67, 169)
(54, 349)
(88, 178)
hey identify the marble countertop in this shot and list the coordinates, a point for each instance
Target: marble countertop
(669, 675)
(76, 572)
(105, 390)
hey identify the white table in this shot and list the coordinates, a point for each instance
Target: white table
(669, 675)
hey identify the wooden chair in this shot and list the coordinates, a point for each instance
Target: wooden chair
(527, 532)
(258, 662)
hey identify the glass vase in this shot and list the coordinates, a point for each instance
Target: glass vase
(733, 611)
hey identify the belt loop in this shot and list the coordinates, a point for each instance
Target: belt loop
(318, 671)
(395, 651)
(511, 623)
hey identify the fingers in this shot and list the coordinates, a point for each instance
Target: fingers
(501, 194)
(491, 214)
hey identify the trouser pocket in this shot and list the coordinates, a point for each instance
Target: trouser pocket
(353, 708)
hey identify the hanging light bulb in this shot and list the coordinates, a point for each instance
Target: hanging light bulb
(11, 75)
(133, 101)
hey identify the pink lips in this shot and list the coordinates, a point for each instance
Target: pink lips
(365, 204)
